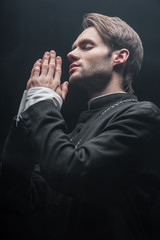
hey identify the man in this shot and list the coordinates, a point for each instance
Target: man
(103, 179)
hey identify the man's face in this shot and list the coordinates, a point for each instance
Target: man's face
(91, 61)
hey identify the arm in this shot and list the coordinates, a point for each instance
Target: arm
(105, 160)
(23, 187)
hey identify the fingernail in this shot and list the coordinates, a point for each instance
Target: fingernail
(53, 54)
(52, 51)
(58, 58)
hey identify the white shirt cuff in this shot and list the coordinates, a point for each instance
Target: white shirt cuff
(37, 94)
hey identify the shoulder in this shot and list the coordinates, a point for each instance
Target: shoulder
(146, 108)
(144, 116)
(141, 113)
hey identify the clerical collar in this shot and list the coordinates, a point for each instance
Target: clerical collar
(107, 99)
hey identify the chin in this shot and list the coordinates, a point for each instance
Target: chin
(74, 78)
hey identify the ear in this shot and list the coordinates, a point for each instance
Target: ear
(120, 56)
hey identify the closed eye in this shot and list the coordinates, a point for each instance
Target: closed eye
(86, 46)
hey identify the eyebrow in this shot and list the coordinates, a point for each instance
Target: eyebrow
(83, 41)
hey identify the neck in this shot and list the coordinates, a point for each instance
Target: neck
(114, 86)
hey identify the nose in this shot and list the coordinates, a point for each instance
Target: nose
(73, 56)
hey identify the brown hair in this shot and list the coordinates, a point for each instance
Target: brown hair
(117, 34)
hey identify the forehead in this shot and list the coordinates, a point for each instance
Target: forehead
(88, 34)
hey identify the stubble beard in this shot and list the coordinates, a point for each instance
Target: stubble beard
(91, 81)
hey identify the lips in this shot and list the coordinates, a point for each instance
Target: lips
(72, 67)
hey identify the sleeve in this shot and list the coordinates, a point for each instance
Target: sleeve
(23, 189)
(106, 161)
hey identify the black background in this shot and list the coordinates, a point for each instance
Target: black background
(30, 27)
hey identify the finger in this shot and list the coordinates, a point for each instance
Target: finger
(52, 64)
(37, 63)
(44, 68)
(58, 70)
(58, 90)
(64, 89)
(30, 84)
(33, 80)
(36, 71)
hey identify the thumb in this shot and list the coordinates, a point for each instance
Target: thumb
(64, 89)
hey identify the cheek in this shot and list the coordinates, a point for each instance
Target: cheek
(93, 62)
(98, 60)
(98, 64)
